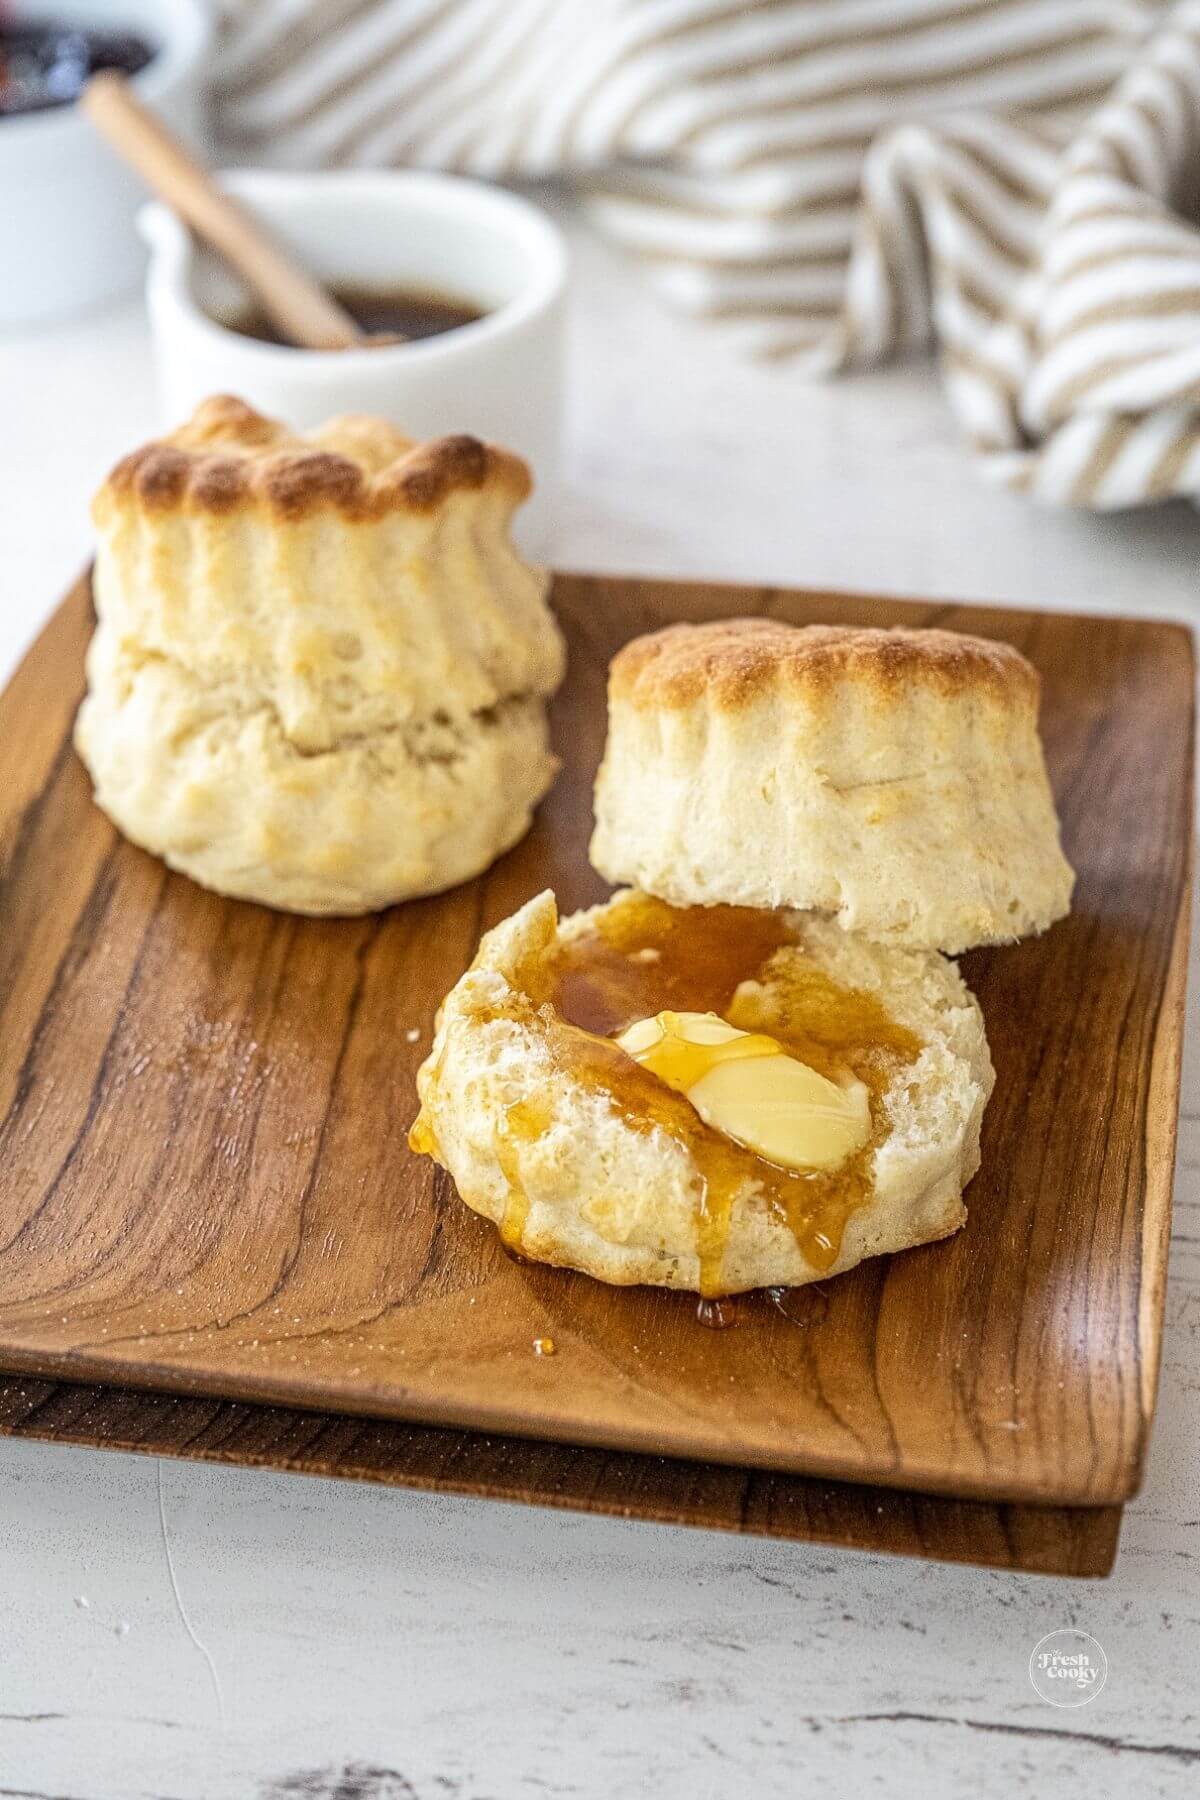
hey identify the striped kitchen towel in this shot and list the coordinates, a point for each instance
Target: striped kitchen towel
(839, 180)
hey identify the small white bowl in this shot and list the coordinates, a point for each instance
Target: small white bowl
(67, 205)
(498, 378)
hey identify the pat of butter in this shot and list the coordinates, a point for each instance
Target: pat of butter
(746, 1086)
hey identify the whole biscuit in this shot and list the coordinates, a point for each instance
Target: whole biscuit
(319, 674)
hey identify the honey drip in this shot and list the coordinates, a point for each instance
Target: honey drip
(422, 1139)
(715, 1315)
(523, 1123)
(644, 957)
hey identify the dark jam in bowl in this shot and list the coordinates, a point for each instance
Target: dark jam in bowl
(395, 313)
(45, 63)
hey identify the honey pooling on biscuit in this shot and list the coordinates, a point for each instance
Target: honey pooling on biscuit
(645, 958)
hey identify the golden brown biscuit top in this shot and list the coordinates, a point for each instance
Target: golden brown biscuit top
(228, 456)
(732, 662)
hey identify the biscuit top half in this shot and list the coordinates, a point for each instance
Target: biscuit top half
(891, 780)
(343, 581)
(227, 457)
(732, 663)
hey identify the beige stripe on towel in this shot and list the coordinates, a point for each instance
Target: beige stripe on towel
(836, 180)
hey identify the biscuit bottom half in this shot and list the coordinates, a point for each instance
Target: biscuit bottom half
(585, 1159)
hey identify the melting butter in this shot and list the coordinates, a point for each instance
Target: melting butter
(746, 1086)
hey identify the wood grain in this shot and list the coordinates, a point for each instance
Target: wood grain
(206, 1188)
(1043, 1540)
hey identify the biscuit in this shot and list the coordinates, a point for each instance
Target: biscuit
(319, 674)
(596, 1188)
(216, 789)
(891, 780)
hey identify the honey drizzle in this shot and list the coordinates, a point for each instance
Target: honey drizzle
(644, 957)
(523, 1123)
(423, 1139)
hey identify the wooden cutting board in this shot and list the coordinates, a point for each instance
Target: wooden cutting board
(205, 1186)
(1046, 1540)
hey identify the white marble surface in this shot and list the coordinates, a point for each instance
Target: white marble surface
(176, 1631)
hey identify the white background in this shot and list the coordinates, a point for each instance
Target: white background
(177, 1631)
